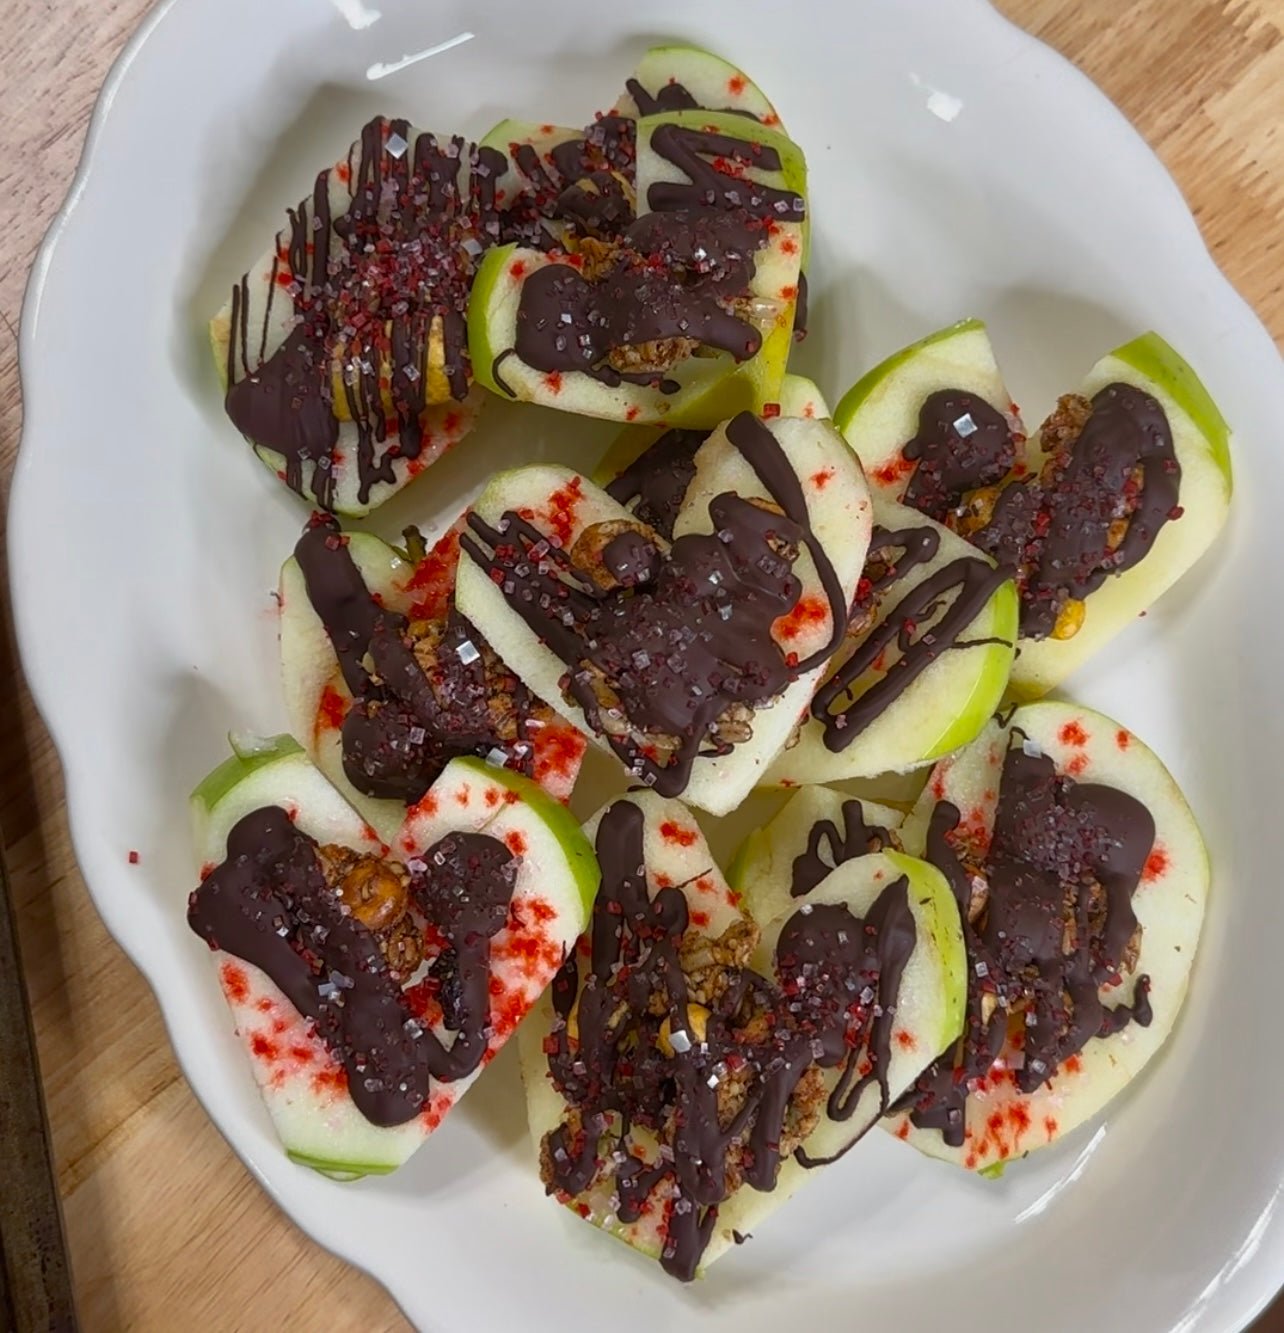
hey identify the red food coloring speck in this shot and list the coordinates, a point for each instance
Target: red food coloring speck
(562, 506)
(770, 120)
(938, 786)
(540, 910)
(700, 919)
(492, 796)
(301, 1053)
(1077, 765)
(788, 292)
(891, 472)
(633, 413)
(464, 794)
(263, 1046)
(333, 1079)
(671, 831)
(905, 1040)
(331, 710)
(1072, 734)
(705, 884)
(1156, 865)
(1122, 739)
(553, 381)
(1019, 1117)
(971, 1161)
(808, 613)
(264, 1005)
(279, 1025)
(236, 985)
(426, 805)
(515, 842)
(790, 247)
(770, 410)
(822, 478)
(736, 85)
(902, 1130)
(1073, 1065)
(995, 1123)
(663, 881)
(1050, 1125)
(517, 269)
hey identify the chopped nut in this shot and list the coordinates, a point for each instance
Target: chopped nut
(656, 356)
(735, 726)
(588, 550)
(975, 512)
(989, 1003)
(376, 892)
(403, 948)
(1064, 426)
(696, 1027)
(1132, 950)
(598, 257)
(1069, 619)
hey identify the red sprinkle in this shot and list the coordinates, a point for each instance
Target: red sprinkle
(770, 410)
(671, 831)
(134, 858)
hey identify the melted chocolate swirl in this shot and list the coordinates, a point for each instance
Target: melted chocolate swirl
(1048, 921)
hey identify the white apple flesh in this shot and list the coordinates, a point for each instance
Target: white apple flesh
(1003, 1122)
(929, 1014)
(564, 504)
(303, 1085)
(944, 707)
(317, 698)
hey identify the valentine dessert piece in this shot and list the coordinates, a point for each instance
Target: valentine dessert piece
(1082, 877)
(687, 317)
(1126, 485)
(688, 78)
(692, 658)
(689, 1067)
(386, 682)
(1134, 485)
(343, 349)
(925, 661)
(816, 830)
(934, 423)
(660, 460)
(369, 988)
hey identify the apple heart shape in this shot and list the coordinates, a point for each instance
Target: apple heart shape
(1126, 485)
(364, 1027)
(1180, 412)
(609, 331)
(814, 832)
(348, 399)
(927, 658)
(346, 589)
(1083, 877)
(678, 77)
(694, 660)
(689, 1069)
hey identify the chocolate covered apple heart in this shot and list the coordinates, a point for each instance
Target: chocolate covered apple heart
(690, 659)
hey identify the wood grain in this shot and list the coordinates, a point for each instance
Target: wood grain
(164, 1223)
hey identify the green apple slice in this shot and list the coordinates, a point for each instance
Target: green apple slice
(714, 83)
(879, 414)
(812, 824)
(303, 1085)
(265, 316)
(939, 711)
(1001, 1121)
(928, 1017)
(1202, 443)
(318, 699)
(711, 388)
(563, 504)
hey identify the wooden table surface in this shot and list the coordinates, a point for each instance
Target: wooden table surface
(164, 1223)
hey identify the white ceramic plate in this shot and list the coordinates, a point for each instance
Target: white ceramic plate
(958, 168)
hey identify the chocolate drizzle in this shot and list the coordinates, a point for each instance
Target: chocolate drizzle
(673, 276)
(856, 838)
(838, 986)
(409, 717)
(1048, 921)
(927, 621)
(695, 152)
(659, 478)
(962, 444)
(373, 290)
(269, 904)
(681, 641)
